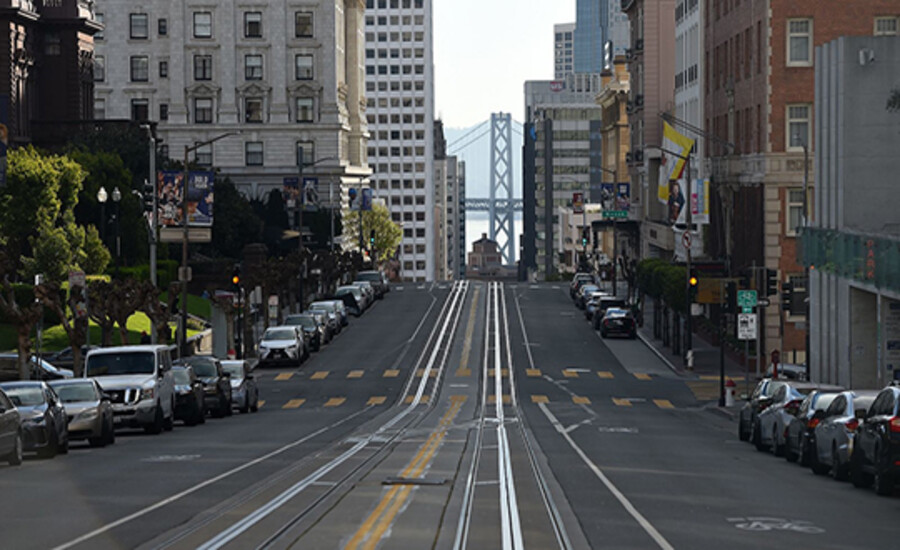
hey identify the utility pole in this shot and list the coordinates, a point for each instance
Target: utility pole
(806, 301)
(302, 199)
(689, 220)
(153, 217)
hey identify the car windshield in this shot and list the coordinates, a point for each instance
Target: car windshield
(613, 312)
(279, 334)
(368, 276)
(114, 364)
(235, 370)
(301, 320)
(202, 366)
(324, 306)
(25, 396)
(181, 376)
(74, 393)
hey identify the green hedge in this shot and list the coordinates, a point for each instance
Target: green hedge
(166, 272)
(661, 280)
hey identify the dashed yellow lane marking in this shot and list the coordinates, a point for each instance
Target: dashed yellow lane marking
(260, 403)
(664, 404)
(294, 403)
(493, 399)
(463, 372)
(578, 400)
(421, 372)
(335, 401)
(504, 373)
(284, 376)
(642, 376)
(319, 375)
(605, 374)
(409, 399)
(378, 400)
(355, 374)
(391, 373)
(539, 399)
(622, 402)
(569, 373)
(533, 372)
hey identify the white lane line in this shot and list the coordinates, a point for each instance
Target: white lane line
(623, 500)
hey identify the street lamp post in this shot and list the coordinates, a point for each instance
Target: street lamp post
(615, 259)
(116, 197)
(154, 223)
(101, 198)
(183, 275)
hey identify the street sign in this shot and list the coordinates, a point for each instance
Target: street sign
(746, 300)
(746, 326)
(615, 214)
(686, 239)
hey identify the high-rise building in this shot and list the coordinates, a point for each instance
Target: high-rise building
(616, 33)
(563, 50)
(285, 78)
(591, 19)
(400, 96)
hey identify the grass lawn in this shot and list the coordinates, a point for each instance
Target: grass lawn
(197, 305)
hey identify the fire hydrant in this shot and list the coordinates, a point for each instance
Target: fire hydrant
(729, 392)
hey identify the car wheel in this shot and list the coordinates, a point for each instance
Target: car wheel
(804, 452)
(817, 467)
(245, 406)
(100, 440)
(790, 453)
(858, 478)
(742, 431)
(228, 407)
(255, 405)
(52, 447)
(777, 450)
(838, 470)
(14, 458)
(757, 438)
(169, 423)
(111, 432)
(157, 426)
(64, 445)
(200, 415)
(883, 481)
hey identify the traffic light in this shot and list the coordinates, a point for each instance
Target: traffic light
(787, 295)
(147, 196)
(730, 297)
(372, 238)
(693, 282)
(745, 279)
(236, 278)
(771, 282)
(584, 237)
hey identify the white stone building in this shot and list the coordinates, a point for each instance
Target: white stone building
(287, 75)
(400, 95)
(563, 50)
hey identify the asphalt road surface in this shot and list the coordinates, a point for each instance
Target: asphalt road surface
(468, 415)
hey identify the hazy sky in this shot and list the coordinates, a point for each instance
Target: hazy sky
(484, 51)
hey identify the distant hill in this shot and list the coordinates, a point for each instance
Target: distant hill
(475, 150)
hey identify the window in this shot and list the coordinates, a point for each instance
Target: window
(140, 68)
(204, 155)
(99, 68)
(203, 110)
(885, 26)
(52, 44)
(303, 66)
(306, 151)
(202, 24)
(164, 69)
(253, 153)
(253, 107)
(795, 211)
(202, 67)
(140, 109)
(799, 42)
(304, 109)
(101, 19)
(797, 307)
(253, 24)
(253, 67)
(99, 109)
(303, 24)
(798, 126)
(164, 111)
(138, 26)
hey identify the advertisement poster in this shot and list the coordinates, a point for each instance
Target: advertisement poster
(892, 335)
(675, 201)
(310, 194)
(623, 196)
(577, 203)
(199, 198)
(290, 190)
(699, 203)
(366, 199)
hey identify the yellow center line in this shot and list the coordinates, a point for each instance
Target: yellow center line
(335, 401)
(622, 402)
(642, 376)
(580, 400)
(569, 373)
(284, 376)
(391, 373)
(470, 329)
(377, 400)
(319, 375)
(463, 372)
(294, 403)
(355, 374)
(664, 404)
(605, 374)
(539, 399)
(260, 403)
(533, 372)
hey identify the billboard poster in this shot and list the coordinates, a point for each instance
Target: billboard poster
(290, 190)
(675, 200)
(310, 195)
(577, 203)
(891, 324)
(366, 199)
(699, 204)
(623, 196)
(199, 198)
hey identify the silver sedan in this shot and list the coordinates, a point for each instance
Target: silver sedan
(244, 391)
(89, 412)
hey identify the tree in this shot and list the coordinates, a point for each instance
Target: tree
(235, 224)
(387, 233)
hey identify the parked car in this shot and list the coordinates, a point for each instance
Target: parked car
(584, 294)
(358, 305)
(578, 280)
(604, 304)
(89, 411)
(313, 331)
(758, 401)
(617, 322)
(44, 423)
(378, 281)
(216, 386)
(244, 390)
(341, 309)
(876, 447)
(39, 369)
(282, 344)
(65, 358)
(329, 308)
(593, 302)
(11, 438)
(328, 326)
(789, 371)
(368, 290)
(139, 382)
(190, 406)
(833, 437)
(798, 435)
(770, 430)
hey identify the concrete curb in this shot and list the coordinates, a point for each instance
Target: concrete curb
(721, 411)
(662, 357)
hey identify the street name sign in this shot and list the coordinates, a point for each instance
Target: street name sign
(615, 214)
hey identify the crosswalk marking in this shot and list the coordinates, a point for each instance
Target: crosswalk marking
(463, 372)
(391, 373)
(570, 373)
(335, 401)
(421, 372)
(504, 373)
(493, 399)
(539, 399)
(605, 374)
(578, 400)
(533, 372)
(294, 403)
(409, 399)
(355, 374)
(622, 402)
(378, 400)
(284, 376)
(319, 375)
(642, 376)
(664, 404)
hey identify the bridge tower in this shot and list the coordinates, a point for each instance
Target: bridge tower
(502, 219)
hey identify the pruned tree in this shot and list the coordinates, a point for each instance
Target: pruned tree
(128, 297)
(100, 298)
(76, 327)
(156, 310)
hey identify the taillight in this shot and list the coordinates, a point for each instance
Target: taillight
(812, 423)
(792, 406)
(852, 424)
(606, 322)
(895, 424)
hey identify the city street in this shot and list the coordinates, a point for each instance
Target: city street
(461, 415)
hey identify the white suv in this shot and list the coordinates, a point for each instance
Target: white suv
(140, 384)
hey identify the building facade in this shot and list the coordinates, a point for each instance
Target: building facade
(591, 20)
(283, 78)
(400, 96)
(617, 33)
(563, 50)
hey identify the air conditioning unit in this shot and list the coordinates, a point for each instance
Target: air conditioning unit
(629, 107)
(639, 100)
(629, 54)
(638, 156)
(629, 158)
(639, 45)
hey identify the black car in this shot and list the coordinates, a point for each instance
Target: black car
(40, 369)
(65, 358)
(44, 421)
(759, 400)
(190, 406)
(876, 446)
(11, 438)
(216, 386)
(615, 321)
(312, 330)
(799, 431)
